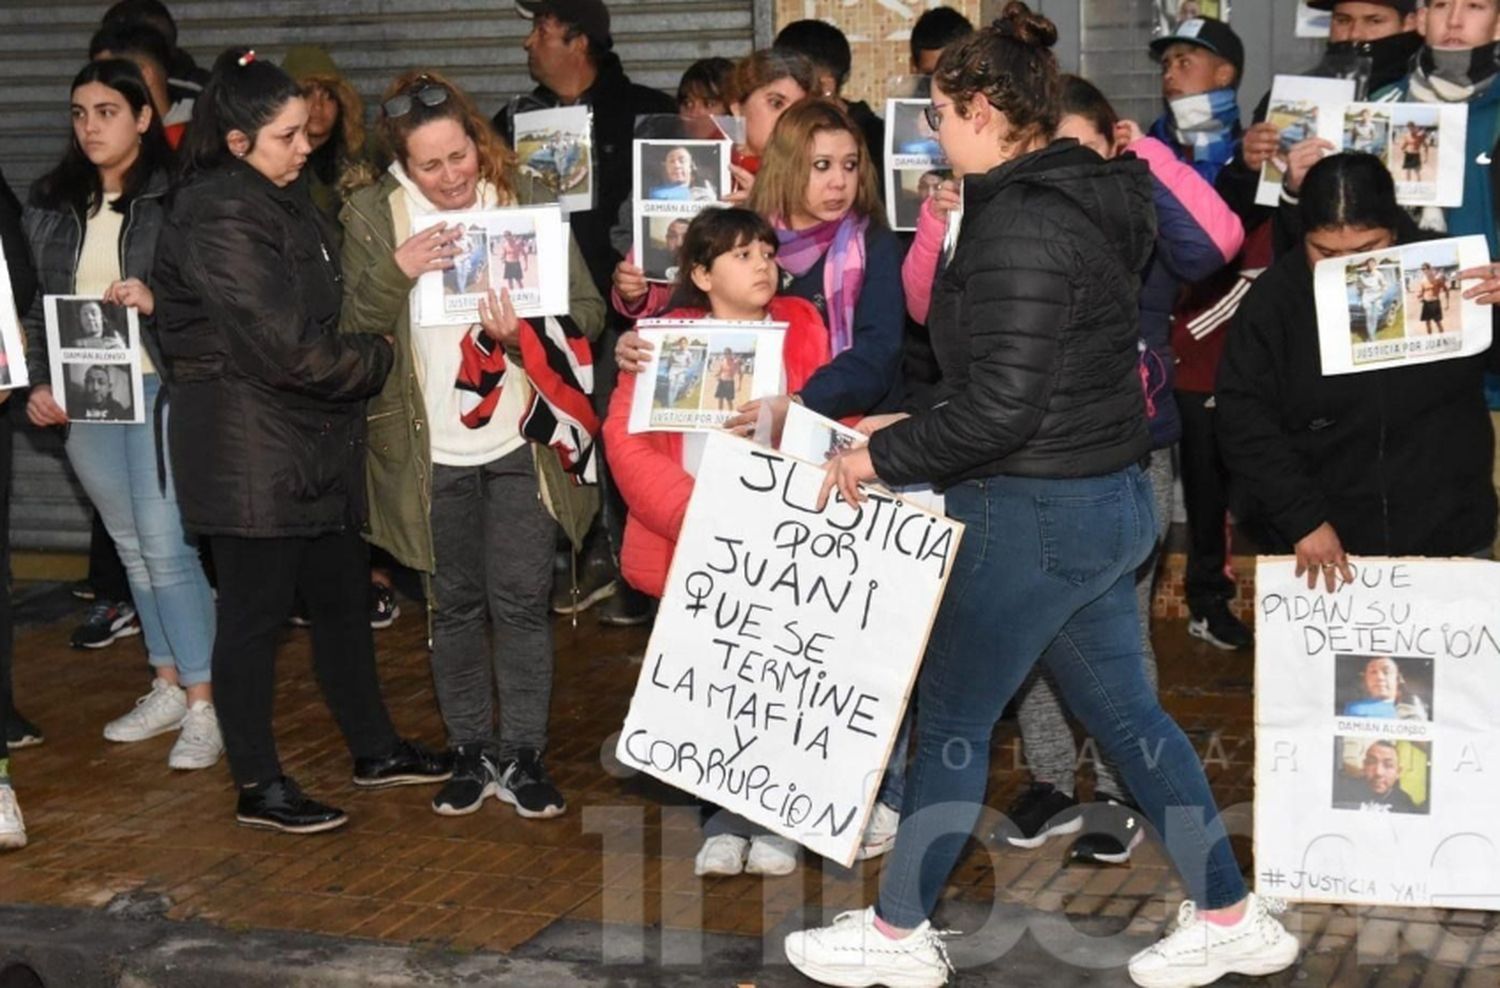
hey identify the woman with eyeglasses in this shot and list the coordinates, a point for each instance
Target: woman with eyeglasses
(456, 489)
(1037, 438)
(93, 224)
(268, 434)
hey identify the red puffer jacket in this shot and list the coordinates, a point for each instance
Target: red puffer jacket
(647, 467)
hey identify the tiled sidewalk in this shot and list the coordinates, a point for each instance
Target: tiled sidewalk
(111, 824)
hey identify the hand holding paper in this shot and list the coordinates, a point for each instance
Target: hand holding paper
(1320, 552)
(131, 293)
(847, 471)
(1487, 292)
(432, 249)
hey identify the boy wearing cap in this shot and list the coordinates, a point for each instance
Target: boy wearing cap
(1201, 62)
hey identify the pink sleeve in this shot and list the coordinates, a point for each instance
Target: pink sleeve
(653, 303)
(920, 267)
(1197, 196)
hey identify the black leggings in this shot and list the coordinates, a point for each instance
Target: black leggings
(257, 578)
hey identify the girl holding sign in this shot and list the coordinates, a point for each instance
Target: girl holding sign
(457, 490)
(93, 223)
(1391, 462)
(729, 271)
(1038, 446)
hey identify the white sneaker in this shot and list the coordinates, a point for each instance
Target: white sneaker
(1198, 952)
(12, 826)
(200, 744)
(158, 712)
(880, 833)
(853, 953)
(771, 855)
(721, 855)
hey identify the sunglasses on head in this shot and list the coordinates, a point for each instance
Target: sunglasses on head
(423, 91)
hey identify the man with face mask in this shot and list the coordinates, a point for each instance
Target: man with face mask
(1201, 62)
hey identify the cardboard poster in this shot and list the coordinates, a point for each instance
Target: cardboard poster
(914, 162)
(674, 181)
(94, 351)
(786, 646)
(811, 437)
(1374, 729)
(1401, 306)
(522, 250)
(703, 370)
(13, 373)
(1299, 105)
(557, 147)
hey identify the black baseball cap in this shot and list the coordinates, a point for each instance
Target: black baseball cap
(589, 16)
(1205, 32)
(1402, 7)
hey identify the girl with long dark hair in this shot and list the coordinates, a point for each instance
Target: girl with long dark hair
(268, 432)
(1037, 438)
(93, 224)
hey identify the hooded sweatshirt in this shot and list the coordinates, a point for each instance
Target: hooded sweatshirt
(1035, 327)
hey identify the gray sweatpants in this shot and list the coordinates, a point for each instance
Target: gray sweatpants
(493, 541)
(1046, 737)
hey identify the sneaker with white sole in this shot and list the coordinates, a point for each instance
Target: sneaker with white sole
(12, 826)
(158, 712)
(199, 745)
(1198, 952)
(880, 833)
(771, 855)
(853, 953)
(723, 854)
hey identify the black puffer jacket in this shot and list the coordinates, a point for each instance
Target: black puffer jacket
(267, 426)
(56, 238)
(1035, 325)
(1398, 461)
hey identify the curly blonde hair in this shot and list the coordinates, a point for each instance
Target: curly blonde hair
(496, 159)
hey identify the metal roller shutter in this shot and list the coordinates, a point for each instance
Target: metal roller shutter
(476, 42)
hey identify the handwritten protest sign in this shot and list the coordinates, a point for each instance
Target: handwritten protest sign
(786, 646)
(1399, 306)
(1375, 732)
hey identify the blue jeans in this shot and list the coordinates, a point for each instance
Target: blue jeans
(117, 466)
(1046, 571)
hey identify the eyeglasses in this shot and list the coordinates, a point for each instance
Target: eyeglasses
(934, 117)
(429, 94)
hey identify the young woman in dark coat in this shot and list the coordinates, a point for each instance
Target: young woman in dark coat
(267, 433)
(1392, 462)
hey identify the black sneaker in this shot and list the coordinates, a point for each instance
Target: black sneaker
(1216, 625)
(524, 784)
(628, 608)
(383, 607)
(1115, 827)
(83, 590)
(1038, 813)
(408, 764)
(20, 732)
(475, 776)
(106, 621)
(281, 805)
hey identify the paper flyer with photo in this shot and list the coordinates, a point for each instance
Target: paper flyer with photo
(1401, 306)
(674, 181)
(1312, 23)
(702, 370)
(94, 351)
(557, 147)
(914, 161)
(1374, 723)
(523, 250)
(811, 437)
(13, 373)
(1170, 13)
(1299, 104)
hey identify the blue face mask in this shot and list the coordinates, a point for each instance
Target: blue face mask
(1205, 113)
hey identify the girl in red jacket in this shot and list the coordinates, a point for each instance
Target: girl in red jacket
(728, 271)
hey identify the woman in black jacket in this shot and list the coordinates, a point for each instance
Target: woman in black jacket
(267, 433)
(15, 730)
(1037, 436)
(1391, 462)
